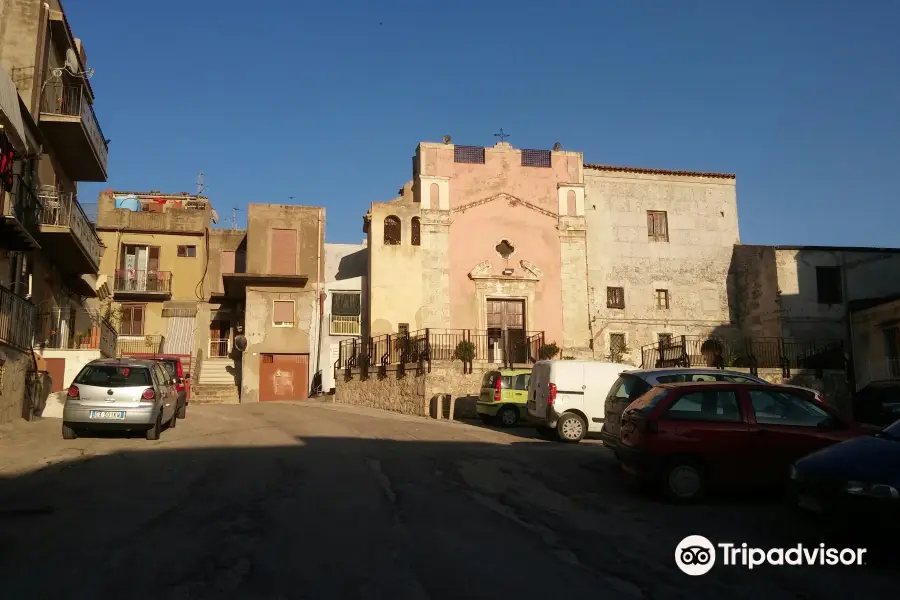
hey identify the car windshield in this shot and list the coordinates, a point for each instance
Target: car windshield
(114, 376)
(649, 400)
(892, 431)
(490, 380)
(170, 367)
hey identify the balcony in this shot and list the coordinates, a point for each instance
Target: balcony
(16, 320)
(130, 283)
(75, 329)
(67, 119)
(189, 216)
(342, 325)
(67, 233)
(145, 345)
(20, 214)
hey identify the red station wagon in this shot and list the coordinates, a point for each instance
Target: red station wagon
(689, 437)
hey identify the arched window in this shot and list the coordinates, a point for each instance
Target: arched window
(416, 234)
(392, 231)
(570, 203)
(434, 196)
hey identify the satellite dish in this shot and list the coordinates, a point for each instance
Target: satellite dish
(72, 62)
(214, 217)
(240, 342)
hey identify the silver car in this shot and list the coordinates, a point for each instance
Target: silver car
(121, 394)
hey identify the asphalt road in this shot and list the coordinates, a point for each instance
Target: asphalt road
(284, 501)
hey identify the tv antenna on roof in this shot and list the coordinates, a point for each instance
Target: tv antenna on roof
(234, 212)
(201, 187)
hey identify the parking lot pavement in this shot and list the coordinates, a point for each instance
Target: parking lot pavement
(298, 500)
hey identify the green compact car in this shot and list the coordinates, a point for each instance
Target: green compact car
(504, 394)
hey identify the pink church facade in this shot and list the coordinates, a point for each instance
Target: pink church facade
(491, 241)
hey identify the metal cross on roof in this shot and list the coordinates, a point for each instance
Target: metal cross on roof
(502, 135)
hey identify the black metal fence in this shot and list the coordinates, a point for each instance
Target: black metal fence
(439, 344)
(751, 353)
(17, 320)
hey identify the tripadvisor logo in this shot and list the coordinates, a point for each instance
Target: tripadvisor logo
(696, 555)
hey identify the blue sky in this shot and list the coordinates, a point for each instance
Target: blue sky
(326, 101)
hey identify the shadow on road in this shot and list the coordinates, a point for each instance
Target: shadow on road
(374, 518)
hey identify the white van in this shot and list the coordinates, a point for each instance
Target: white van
(566, 398)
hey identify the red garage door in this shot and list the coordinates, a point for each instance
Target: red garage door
(284, 377)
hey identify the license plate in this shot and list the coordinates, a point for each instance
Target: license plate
(108, 414)
(809, 503)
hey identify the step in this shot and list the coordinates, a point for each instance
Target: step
(214, 394)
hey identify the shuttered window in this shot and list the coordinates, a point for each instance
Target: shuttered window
(132, 319)
(283, 251)
(283, 313)
(345, 304)
(615, 297)
(657, 226)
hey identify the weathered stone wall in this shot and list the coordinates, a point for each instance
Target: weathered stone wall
(576, 340)
(403, 394)
(12, 386)
(413, 394)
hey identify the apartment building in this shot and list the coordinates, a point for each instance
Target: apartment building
(51, 141)
(346, 269)
(154, 267)
(258, 333)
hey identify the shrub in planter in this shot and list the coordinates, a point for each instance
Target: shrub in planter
(465, 351)
(548, 351)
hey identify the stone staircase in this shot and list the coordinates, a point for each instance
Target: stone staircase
(216, 385)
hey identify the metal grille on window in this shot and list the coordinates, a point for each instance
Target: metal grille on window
(416, 233)
(392, 231)
(468, 154)
(535, 158)
(345, 304)
(615, 297)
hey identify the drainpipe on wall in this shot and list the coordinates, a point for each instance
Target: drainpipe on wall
(319, 294)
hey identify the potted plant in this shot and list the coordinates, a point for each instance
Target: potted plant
(548, 351)
(618, 351)
(465, 352)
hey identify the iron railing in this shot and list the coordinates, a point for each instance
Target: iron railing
(218, 348)
(751, 352)
(73, 101)
(22, 203)
(439, 345)
(17, 320)
(344, 325)
(146, 345)
(131, 280)
(75, 329)
(63, 209)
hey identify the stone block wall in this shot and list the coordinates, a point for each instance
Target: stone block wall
(12, 385)
(413, 394)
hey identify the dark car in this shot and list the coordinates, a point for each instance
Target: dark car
(854, 482)
(176, 371)
(878, 403)
(689, 437)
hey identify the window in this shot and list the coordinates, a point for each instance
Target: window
(392, 233)
(187, 251)
(521, 382)
(708, 405)
(468, 154)
(657, 226)
(345, 312)
(403, 328)
(283, 313)
(615, 297)
(629, 387)
(828, 285)
(283, 251)
(132, 319)
(535, 158)
(416, 232)
(782, 408)
(617, 343)
(664, 338)
(113, 376)
(735, 379)
(662, 299)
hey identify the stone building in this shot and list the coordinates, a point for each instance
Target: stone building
(52, 140)
(265, 286)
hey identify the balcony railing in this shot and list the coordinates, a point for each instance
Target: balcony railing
(17, 317)
(71, 329)
(516, 347)
(62, 209)
(343, 325)
(140, 345)
(73, 101)
(144, 281)
(22, 203)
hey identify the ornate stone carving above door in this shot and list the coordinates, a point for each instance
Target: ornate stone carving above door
(531, 268)
(482, 269)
